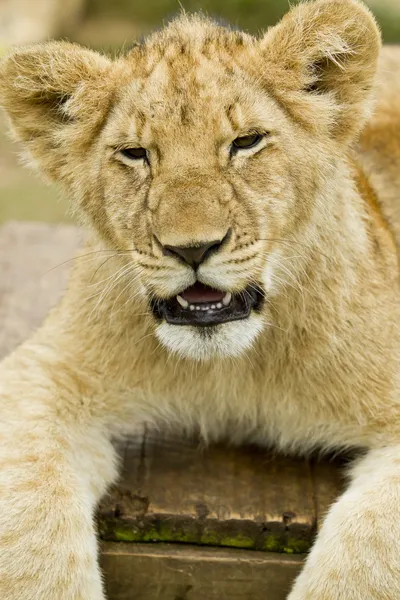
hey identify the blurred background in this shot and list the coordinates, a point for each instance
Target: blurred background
(109, 25)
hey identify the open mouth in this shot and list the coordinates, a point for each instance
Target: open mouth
(204, 306)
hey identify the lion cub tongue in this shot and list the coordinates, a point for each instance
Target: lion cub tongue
(199, 293)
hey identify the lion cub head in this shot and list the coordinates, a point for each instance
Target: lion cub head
(204, 152)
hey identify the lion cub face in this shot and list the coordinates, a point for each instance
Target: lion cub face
(203, 154)
(198, 175)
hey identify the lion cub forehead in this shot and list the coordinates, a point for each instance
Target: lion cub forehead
(192, 74)
(192, 55)
(194, 35)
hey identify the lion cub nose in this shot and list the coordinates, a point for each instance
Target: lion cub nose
(194, 255)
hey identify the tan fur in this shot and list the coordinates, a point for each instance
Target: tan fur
(315, 219)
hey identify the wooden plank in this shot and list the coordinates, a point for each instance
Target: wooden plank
(171, 572)
(172, 491)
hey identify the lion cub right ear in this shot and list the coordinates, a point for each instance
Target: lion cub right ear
(54, 93)
(322, 60)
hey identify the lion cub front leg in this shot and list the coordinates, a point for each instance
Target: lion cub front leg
(55, 463)
(357, 553)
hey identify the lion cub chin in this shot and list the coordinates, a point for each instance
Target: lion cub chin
(240, 278)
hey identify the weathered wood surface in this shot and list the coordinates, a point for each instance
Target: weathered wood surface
(171, 572)
(170, 489)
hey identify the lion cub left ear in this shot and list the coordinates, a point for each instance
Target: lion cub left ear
(323, 56)
(54, 93)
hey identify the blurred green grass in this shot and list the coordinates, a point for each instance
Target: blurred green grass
(250, 15)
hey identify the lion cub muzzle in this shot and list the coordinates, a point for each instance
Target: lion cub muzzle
(200, 304)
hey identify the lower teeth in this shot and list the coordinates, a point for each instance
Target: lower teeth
(206, 307)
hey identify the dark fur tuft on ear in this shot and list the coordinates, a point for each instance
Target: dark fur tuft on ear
(328, 49)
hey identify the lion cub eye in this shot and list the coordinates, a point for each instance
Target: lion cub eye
(247, 141)
(134, 153)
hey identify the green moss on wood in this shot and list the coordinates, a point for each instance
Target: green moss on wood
(189, 533)
(237, 541)
(295, 546)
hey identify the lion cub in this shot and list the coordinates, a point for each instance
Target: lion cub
(244, 219)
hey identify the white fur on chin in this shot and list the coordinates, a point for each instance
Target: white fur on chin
(220, 341)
